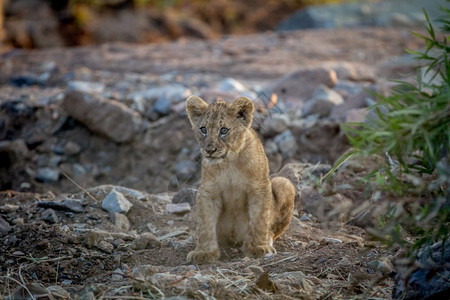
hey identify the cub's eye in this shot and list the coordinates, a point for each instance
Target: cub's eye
(203, 130)
(224, 131)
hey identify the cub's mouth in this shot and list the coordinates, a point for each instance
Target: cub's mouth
(215, 157)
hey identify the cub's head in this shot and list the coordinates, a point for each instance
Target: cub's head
(221, 127)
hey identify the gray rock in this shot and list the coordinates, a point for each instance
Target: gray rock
(185, 195)
(356, 115)
(57, 290)
(107, 117)
(86, 86)
(172, 92)
(105, 246)
(430, 279)
(296, 279)
(304, 218)
(143, 271)
(382, 266)
(4, 226)
(185, 169)
(286, 144)
(356, 72)
(50, 216)
(18, 221)
(344, 262)
(354, 101)
(92, 239)
(274, 124)
(145, 241)
(178, 208)
(302, 83)
(47, 175)
(115, 202)
(71, 148)
(117, 275)
(120, 221)
(29, 291)
(8, 208)
(162, 106)
(236, 87)
(323, 102)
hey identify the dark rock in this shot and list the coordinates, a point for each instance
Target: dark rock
(430, 278)
(4, 226)
(49, 215)
(185, 195)
(72, 205)
(26, 80)
(107, 117)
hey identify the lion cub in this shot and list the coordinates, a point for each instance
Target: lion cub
(236, 202)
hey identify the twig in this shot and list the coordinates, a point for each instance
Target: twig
(241, 289)
(79, 186)
(278, 261)
(57, 270)
(16, 281)
(125, 297)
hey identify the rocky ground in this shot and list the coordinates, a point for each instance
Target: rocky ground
(99, 165)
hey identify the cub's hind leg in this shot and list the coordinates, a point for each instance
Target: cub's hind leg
(283, 205)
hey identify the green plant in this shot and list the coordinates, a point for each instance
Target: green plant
(410, 131)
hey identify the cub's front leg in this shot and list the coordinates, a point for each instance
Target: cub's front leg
(207, 248)
(259, 242)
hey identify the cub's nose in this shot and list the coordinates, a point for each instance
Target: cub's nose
(210, 150)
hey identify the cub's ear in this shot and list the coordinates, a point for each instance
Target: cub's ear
(242, 108)
(195, 107)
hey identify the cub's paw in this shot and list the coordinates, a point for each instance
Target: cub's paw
(260, 251)
(200, 256)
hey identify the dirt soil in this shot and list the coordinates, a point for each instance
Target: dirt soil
(81, 254)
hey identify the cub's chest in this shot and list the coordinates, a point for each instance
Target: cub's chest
(232, 184)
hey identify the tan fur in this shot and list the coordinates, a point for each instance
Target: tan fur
(236, 202)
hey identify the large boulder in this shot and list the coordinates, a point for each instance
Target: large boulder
(302, 83)
(107, 117)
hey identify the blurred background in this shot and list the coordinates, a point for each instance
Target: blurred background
(57, 23)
